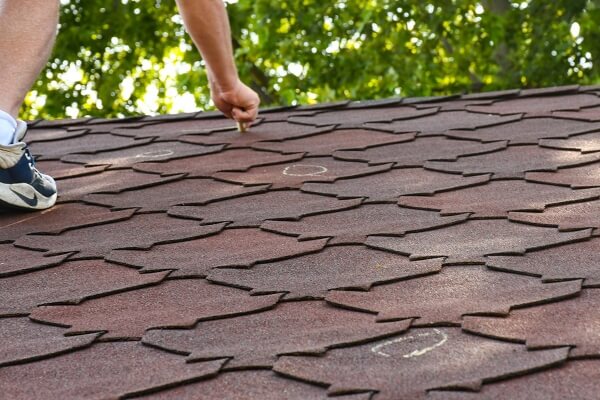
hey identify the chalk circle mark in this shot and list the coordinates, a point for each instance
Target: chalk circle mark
(156, 154)
(304, 170)
(437, 334)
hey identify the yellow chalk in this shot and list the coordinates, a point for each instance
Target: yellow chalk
(242, 127)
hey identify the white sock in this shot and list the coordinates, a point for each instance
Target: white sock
(8, 125)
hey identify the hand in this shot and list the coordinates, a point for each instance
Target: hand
(239, 103)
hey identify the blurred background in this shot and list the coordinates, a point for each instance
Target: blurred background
(116, 58)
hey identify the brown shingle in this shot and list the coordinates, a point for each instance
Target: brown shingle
(366, 204)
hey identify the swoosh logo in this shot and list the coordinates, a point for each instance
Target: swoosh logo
(31, 202)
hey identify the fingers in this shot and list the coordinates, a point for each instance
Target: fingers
(224, 107)
(240, 104)
(242, 115)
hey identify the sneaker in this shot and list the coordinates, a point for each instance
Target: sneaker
(22, 186)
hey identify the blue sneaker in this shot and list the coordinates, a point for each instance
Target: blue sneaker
(21, 184)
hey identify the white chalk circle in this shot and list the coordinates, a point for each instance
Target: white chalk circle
(304, 170)
(156, 154)
(443, 338)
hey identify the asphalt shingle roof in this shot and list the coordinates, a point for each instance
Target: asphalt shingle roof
(434, 248)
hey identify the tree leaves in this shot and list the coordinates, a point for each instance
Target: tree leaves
(123, 57)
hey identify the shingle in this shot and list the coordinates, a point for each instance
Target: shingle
(22, 341)
(528, 131)
(444, 121)
(125, 158)
(496, 94)
(172, 130)
(388, 186)
(17, 261)
(69, 282)
(53, 134)
(262, 133)
(84, 144)
(256, 339)
(109, 125)
(549, 91)
(406, 366)
(566, 262)
(231, 248)
(488, 200)
(174, 193)
(591, 114)
(537, 106)
(55, 220)
(585, 214)
(452, 104)
(415, 153)
(60, 170)
(172, 303)
(353, 118)
(252, 210)
(292, 175)
(206, 165)
(249, 384)
(514, 161)
(283, 115)
(575, 379)
(140, 231)
(364, 104)
(445, 297)
(326, 143)
(313, 275)
(587, 143)
(355, 224)
(105, 370)
(471, 241)
(59, 123)
(75, 188)
(576, 177)
(572, 322)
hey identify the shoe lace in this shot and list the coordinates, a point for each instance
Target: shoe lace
(31, 162)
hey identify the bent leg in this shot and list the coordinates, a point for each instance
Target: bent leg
(27, 32)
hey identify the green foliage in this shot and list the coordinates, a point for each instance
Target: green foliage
(132, 56)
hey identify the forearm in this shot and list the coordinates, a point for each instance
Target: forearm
(207, 23)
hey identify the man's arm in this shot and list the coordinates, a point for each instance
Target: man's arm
(208, 25)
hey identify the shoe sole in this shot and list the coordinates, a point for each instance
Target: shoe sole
(24, 197)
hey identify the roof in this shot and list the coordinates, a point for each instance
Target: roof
(442, 248)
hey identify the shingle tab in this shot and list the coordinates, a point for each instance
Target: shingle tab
(70, 282)
(231, 248)
(445, 297)
(105, 370)
(250, 384)
(571, 322)
(408, 365)
(355, 224)
(253, 209)
(489, 201)
(23, 341)
(293, 175)
(313, 275)
(575, 379)
(98, 240)
(470, 241)
(174, 303)
(257, 339)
